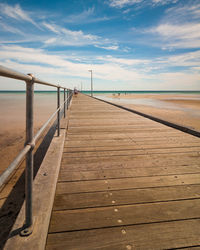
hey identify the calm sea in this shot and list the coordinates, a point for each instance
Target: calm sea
(46, 101)
(141, 92)
(113, 91)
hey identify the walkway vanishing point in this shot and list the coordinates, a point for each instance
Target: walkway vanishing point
(125, 182)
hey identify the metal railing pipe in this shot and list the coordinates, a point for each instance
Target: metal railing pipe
(46, 83)
(29, 158)
(39, 133)
(13, 74)
(5, 175)
(67, 98)
(58, 114)
(64, 103)
(6, 72)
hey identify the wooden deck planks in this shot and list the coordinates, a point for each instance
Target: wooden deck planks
(65, 201)
(101, 217)
(167, 235)
(66, 175)
(125, 182)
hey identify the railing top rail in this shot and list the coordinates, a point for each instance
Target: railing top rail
(6, 72)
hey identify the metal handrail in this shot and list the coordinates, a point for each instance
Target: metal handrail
(37, 136)
(6, 72)
(4, 176)
(30, 138)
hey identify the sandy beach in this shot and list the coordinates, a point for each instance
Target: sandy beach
(12, 125)
(176, 108)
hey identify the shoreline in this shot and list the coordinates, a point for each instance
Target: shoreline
(179, 109)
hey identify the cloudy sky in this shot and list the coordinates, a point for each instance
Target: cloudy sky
(129, 44)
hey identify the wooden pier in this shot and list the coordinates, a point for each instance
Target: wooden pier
(125, 182)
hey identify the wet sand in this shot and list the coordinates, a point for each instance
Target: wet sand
(176, 108)
(12, 125)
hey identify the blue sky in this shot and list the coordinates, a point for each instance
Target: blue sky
(129, 44)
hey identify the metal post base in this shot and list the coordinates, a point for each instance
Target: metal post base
(26, 231)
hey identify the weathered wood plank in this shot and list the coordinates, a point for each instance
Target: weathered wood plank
(130, 141)
(79, 219)
(114, 135)
(140, 161)
(66, 175)
(134, 151)
(166, 158)
(131, 146)
(167, 235)
(122, 197)
(127, 183)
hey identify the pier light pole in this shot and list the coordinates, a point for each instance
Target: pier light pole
(91, 82)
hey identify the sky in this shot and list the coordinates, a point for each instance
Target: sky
(128, 44)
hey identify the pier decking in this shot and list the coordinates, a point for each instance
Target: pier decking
(125, 182)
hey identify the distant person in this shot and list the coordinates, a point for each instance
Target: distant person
(75, 92)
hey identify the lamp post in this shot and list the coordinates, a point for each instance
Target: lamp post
(91, 83)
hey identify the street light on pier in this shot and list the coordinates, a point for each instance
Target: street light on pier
(91, 82)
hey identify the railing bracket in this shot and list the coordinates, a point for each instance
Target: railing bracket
(26, 231)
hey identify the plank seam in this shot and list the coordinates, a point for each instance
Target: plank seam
(125, 225)
(124, 204)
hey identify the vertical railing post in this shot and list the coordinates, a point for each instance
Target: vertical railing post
(91, 85)
(64, 103)
(58, 115)
(27, 229)
(67, 99)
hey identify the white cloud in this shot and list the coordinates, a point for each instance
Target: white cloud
(178, 28)
(10, 29)
(189, 60)
(180, 80)
(113, 47)
(179, 36)
(183, 13)
(70, 38)
(59, 65)
(163, 2)
(16, 13)
(87, 16)
(51, 27)
(123, 61)
(67, 37)
(54, 68)
(53, 34)
(124, 3)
